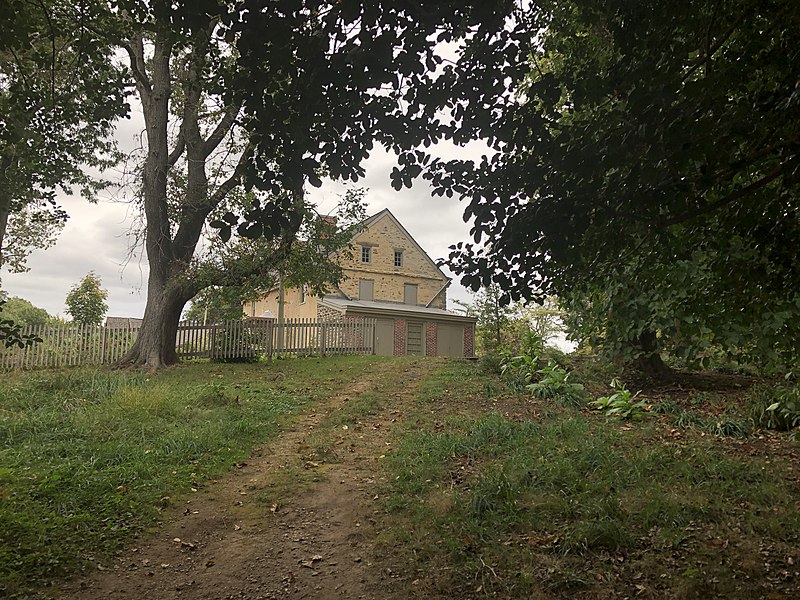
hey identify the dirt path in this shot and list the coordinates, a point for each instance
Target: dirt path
(226, 541)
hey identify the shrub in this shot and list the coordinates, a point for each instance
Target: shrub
(491, 363)
(235, 344)
(621, 403)
(523, 362)
(555, 385)
(775, 407)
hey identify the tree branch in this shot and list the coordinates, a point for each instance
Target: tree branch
(711, 50)
(732, 197)
(232, 181)
(221, 130)
(191, 222)
(135, 50)
(180, 146)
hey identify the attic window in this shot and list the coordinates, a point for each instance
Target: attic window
(366, 254)
(398, 258)
(303, 293)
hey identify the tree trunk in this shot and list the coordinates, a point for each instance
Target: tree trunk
(5, 204)
(154, 347)
(649, 362)
(3, 225)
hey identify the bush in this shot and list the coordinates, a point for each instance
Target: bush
(235, 344)
(621, 403)
(775, 407)
(525, 361)
(555, 385)
(491, 364)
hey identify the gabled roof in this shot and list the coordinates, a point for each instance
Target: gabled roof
(369, 221)
(376, 308)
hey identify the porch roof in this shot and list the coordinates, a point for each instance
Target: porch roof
(376, 308)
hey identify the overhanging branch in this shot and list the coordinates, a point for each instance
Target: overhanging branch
(730, 198)
(221, 130)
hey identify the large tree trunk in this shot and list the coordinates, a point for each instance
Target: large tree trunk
(650, 362)
(155, 344)
(3, 225)
(174, 225)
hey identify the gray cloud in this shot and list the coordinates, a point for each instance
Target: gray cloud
(95, 237)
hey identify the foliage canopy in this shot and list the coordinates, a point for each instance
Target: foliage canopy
(646, 168)
(86, 301)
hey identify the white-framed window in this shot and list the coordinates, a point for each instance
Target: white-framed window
(398, 258)
(303, 293)
(366, 254)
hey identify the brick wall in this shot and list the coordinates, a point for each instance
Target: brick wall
(469, 341)
(430, 338)
(399, 337)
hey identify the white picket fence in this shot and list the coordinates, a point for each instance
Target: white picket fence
(73, 345)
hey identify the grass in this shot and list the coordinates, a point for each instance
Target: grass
(569, 502)
(90, 457)
(491, 492)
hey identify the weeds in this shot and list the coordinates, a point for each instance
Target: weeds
(621, 403)
(546, 502)
(537, 370)
(702, 398)
(775, 407)
(665, 407)
(728, 427)
(688, 418)
(555, 385)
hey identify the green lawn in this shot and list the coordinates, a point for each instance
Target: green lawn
(90, 457)
(491, 493)
(512, 497)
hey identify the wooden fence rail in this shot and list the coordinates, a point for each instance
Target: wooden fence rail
(73, 345)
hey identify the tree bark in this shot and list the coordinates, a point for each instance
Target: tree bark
(650, 362)
(3, 226)
(154, 347)
(5, 203)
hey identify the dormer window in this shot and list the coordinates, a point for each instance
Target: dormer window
(398, 258)
(366, 254)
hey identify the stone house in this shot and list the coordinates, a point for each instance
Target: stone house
(390, 278)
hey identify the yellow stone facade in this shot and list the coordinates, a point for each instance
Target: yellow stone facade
(383, 237)
(293, 306)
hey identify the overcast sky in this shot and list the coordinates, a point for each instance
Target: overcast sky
(96, 237)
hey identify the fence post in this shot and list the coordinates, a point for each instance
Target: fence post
(323, 339)
(211, 350)
(270, 335)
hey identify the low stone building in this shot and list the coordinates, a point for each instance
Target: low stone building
(390, 278)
